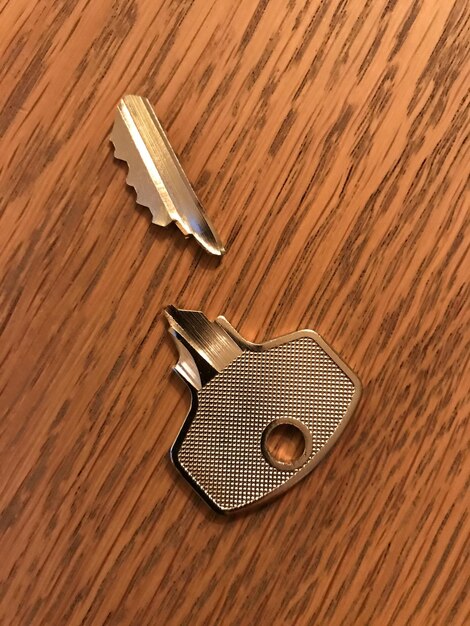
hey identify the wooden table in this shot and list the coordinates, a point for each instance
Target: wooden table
(328, 141)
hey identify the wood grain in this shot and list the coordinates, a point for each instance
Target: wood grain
(328, 140)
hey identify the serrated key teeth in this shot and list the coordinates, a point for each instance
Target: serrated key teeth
(156, 174)
(116, 154)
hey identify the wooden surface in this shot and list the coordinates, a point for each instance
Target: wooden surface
(328, 142)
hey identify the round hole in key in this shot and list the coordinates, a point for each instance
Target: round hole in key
(286, 443)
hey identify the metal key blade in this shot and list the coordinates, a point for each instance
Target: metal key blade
(155, 173)
(205, 348)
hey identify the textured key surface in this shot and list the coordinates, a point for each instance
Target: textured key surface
(222, 448)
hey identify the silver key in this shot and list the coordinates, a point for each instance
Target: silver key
(156, 174)
(241, 393)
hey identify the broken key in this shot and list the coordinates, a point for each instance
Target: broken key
(156, 174)
(241, 393)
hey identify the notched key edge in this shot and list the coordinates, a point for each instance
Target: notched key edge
(156, 174)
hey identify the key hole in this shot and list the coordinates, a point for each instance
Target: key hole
(286, 444)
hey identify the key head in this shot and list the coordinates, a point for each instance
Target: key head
(222, 448)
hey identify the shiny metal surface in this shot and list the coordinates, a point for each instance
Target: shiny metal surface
(155, 173)
(241, 390)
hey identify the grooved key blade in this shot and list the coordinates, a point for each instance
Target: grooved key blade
(156, 174)
(241, 392)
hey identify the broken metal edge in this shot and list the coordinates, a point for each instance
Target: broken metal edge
(173, 196)
(264, 346)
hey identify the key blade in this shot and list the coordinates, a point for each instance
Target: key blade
(212, 349)
(156, 174)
